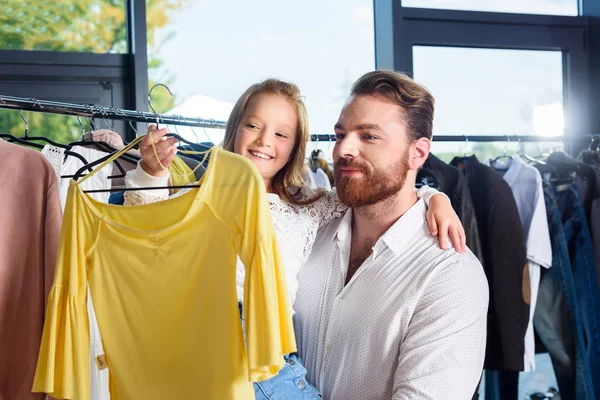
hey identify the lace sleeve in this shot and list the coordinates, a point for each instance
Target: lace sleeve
(139, 178)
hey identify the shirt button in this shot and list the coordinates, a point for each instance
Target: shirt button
(328, 348)
(291, 362)
(301, 384)
(343, 297)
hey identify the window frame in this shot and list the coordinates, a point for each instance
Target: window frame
(398, 29)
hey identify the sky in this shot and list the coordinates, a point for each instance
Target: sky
(220, 48)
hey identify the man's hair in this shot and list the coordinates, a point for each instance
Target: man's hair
(415, 100)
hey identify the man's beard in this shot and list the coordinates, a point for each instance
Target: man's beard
(373, 186)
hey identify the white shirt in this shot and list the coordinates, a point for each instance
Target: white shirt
(411, 323)
(296, 226)
(525, 182)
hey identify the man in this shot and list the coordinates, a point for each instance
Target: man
(382, 312)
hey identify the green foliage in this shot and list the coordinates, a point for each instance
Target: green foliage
(96, 26)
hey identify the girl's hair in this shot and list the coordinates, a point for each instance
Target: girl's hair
(288, 181)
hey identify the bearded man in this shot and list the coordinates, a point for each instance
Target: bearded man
(382, 312)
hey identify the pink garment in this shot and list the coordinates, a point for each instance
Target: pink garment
(30, 221)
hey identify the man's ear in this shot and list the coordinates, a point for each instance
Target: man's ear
(419, 151)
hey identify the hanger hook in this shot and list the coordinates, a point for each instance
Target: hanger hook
(82, 127)
(507, 144)
(35, 102)
(150, 101)
(206, 134)
(26, 123)
(466, 145)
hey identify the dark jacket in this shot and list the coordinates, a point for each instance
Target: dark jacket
(451, 182)
(505, 258)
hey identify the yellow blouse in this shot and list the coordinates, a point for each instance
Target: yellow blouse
(162, 276)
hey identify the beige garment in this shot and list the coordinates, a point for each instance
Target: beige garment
(30, 220)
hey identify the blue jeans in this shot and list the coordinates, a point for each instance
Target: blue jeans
(568, 308)
(289, 384)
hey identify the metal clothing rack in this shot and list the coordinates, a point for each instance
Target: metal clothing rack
(485, 138)
(93, 111)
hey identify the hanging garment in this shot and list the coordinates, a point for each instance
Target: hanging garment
(99, 386)
(452, 182)
(505, 262)
(70, 165)
(525, 182)
(162, 277)
(592, 158)
(30, 220)
(567, 314)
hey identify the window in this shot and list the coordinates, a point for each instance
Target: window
(492, 92)
(209, 53)
(96, 26)
(551, 7)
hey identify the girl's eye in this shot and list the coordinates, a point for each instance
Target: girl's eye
(281, 135)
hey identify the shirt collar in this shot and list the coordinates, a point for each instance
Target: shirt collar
(344, 229)
(397, 236)
(514, 166)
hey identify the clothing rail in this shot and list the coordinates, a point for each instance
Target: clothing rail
(486, 138)
(92, 111)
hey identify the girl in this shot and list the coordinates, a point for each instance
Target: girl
(269, 126)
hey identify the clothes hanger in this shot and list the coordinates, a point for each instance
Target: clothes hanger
(505, 155)
(464, 160)
(28, 141)
(104, 160)
(105, 148)
(174, 135)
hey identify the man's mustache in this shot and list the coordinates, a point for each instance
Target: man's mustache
(350, 163)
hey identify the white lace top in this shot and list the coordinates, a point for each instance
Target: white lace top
(296, 226)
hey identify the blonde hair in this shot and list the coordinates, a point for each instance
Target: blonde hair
(288, 181)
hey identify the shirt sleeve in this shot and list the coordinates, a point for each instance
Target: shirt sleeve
(267, 308)
(442, 354)
(426, 193)
(139, 178)
(63, 363)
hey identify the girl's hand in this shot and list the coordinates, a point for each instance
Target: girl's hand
(165, 149)
(444, 222)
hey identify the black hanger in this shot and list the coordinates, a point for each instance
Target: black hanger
(29, 141)
(79, 173)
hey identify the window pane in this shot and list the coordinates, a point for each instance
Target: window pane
(492, 92)
(96, 26)
(550, 7)
(208, 53)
